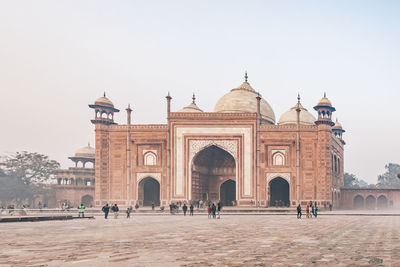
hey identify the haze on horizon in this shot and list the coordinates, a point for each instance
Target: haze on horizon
(56, 57)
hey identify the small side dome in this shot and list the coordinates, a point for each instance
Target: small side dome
(192, 107)
(337, 126)
(85, 152)
(290, 117)
(325, 101)
(104, 101)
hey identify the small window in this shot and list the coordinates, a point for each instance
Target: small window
(278, 159)
(150, 159)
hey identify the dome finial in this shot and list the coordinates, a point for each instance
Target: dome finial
(245, 76)
(104, 94)
(88, 144)
(298, 98)
(194, 99)
(325, 94)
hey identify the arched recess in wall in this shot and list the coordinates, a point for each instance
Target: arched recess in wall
(150, 159)
(278, 159)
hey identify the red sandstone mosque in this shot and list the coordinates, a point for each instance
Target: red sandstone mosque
(237, 154)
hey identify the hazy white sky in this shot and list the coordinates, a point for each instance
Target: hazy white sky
(56, 57)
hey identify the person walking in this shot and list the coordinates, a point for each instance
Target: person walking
(299, 212)
(316, 211)
(209, 211)
(115, 210)
(213, 209)
(106, 209)
(191, 209)
(312, 211)
(307, 211)
(184, 208)
(128, 212)
(219, 206)
(81, 210)
(152, 205)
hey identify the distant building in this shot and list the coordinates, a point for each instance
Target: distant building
(75, 185)
(236, 154)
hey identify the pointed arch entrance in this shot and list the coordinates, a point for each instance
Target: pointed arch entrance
(149, 192)
(211, 169)
(228, 192)
(279, 192)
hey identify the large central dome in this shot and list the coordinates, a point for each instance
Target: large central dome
(243, 99)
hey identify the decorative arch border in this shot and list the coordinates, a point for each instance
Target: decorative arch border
(196, 146)
(272, 175)
(141, 175)
(155, 175)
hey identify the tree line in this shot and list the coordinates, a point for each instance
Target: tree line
(24, 176)
(390, 178)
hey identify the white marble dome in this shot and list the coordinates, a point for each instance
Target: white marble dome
(290, 117)
(85, 152)
(243, 99)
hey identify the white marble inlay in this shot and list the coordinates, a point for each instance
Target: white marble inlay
(179, 152)
(141, 175)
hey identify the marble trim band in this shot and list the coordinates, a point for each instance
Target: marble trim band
(141, 175)
(272, 175)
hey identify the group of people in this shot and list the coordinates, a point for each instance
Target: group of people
(212, 209)
(114, 209)
(311, 210)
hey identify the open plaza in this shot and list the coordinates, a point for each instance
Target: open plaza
(234, 240)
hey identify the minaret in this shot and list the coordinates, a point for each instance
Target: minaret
(298, 110)
(325, 110)
(103, 110)
(128, 155)
(104, 117)
(324, 123)
(338, 131)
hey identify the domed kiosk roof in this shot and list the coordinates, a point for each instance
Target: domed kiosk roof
(243, 99)
(338, 126)
(85, 152)
(192, 107)
(104, 101)
(290, 116)
(325, 101)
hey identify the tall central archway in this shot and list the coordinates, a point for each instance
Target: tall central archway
(214, 172)
(279, 192)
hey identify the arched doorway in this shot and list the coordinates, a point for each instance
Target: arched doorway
(149, 192)
(228, 192)
(279, 192)
(210, 167)
(370, 202)
(358, 202)
(87, 201)
(382, 202)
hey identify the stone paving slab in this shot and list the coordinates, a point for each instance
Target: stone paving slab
(198, 241)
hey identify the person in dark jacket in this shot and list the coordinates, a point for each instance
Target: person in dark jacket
(106, 209)
(184, 208)
(219, 206)
(213, 209)
(115, 210)
(191, 209)
(299, 212)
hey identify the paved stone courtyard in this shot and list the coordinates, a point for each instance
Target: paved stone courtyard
(234, 240)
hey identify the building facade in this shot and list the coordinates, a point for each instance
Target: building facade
(75, 185)
(237, 154)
